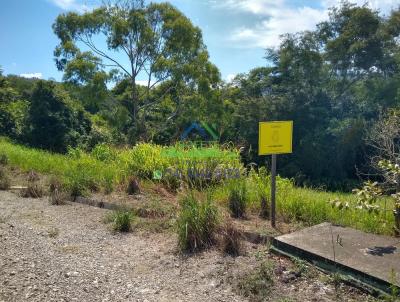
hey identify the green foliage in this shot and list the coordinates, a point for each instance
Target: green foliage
(103, 152)
(167, 47)
(238, 198)
(368, 195)
(83, 173)
(143, 159)
(331, 83)
(196, 224)
(79, 180)
(196, 166)
(105, 167)
(53, 122)
(309, 206)
(108, 181)
(122, 220)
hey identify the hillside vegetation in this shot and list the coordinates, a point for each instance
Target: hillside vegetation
(104, 168)
(336, 83)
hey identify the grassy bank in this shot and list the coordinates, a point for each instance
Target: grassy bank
(105, 167)
(310, 206)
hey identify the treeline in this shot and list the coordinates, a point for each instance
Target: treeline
(334, 83)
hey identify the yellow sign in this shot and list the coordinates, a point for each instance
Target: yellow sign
(275, 137)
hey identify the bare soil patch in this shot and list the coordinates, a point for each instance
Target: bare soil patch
(66, 253)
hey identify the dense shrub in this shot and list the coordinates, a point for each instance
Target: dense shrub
(196, 224)
(54, 121)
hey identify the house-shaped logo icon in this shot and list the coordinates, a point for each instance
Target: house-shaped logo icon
(204, 130)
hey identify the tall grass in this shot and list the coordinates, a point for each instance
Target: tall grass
(309, 206)
(237, 198)
(196, 224)
(106, 167)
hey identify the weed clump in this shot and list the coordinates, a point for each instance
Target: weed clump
(33, 190)
(32, 176)
(4, 179)
(122, 220)
(56, 192)
(133, 186)
(264, 212)
(238, 199)
(231, 243)
(257, 285)
(196, 224)
(3, 160)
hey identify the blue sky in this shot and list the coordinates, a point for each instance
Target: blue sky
(236, 32)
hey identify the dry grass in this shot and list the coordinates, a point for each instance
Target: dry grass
(4, 179)
(231, 240)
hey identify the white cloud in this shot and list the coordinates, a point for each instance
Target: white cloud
(267, 32)
(278, 17)
(230, 77)
(37, 75)
(70, 5)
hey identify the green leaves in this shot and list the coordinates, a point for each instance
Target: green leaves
(368, 195)
(155, 43)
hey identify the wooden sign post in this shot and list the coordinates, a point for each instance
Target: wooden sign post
(274, 138)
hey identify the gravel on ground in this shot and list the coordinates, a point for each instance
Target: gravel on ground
(67, 253)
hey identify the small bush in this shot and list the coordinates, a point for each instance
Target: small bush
(103, 152)
(238, 199)
(133, 186)
(122, 220)
(79, 181)
(32, 176)
(33, 190)
(196, 224)
(4, 179)
(56, 192)
(257, 285)
(3, 160)
(231, 243)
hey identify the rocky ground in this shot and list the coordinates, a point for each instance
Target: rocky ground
(67, 253)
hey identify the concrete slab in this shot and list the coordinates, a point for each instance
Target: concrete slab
(368, 257)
